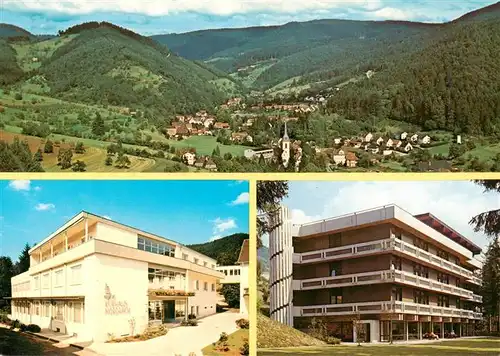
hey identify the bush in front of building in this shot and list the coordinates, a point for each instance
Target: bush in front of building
(222, 344)
(231, 293)
(4, 319)
(243, 323)
(190, 322)
(191, 316)
(319, 330)
(15, 324)
(33, 328)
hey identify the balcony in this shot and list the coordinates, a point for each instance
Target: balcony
(383, 307)
(384, 246)
(385, 276)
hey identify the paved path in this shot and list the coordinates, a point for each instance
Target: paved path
(180, 341)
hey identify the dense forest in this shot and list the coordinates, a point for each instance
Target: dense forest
(10, 71)
(453, 84)
(225, 250)
(17, 157)
(128, 72)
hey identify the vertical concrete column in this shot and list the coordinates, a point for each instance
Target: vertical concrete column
(419, 330)
(405, 328)
(442, 330)
(281, 266)
(460, 329)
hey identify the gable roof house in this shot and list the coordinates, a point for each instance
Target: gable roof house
(351, 160)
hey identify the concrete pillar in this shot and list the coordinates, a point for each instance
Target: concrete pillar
(432, 326)
(86, 229)
(405, 328)
(442, 330)
(281, 266)
(419, 326)
(460, 329)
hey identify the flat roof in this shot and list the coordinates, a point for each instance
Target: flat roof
(81, 215)
(449, 232)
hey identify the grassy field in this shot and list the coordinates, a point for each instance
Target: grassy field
(442, 149)
(273, 334)
(469, 347)
(206, 144)
(93, 157)
(235, 342)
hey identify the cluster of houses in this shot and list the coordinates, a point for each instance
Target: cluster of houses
(232, 103)
(201, 124)
(292, 108)
(385, 146)
(205, 162)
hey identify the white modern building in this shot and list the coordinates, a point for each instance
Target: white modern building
(239, 275)
(96, 279)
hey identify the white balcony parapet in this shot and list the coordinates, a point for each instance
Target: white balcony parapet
(383, 307)
(384, 245)
(380, 214)
(384, 276)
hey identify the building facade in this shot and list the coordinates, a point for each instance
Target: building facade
(401, 275)
(238, 274)
(97, 279)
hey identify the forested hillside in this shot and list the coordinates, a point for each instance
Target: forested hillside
(7, 30)
(108, 66)
(453, 84)
(10, 71)
(225, 250)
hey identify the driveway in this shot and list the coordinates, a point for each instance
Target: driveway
(180, 341)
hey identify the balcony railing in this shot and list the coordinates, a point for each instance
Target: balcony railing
(383, 307)
(384, 245)
(385, 276)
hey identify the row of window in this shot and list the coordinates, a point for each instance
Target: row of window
(231, 272)
(205, 286)
(160, 248)
(155, 247)
(75, 278)
(64, 311)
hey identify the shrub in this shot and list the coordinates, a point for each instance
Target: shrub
(18, 96)
(191, 316)
(245, 349)
(23, 327)
(190, 322)
(4, 319)
(243, 323)
(33, 328)
(15, 324)
(223, 337)
(319, 330)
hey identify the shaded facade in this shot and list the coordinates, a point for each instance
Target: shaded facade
(401, 275)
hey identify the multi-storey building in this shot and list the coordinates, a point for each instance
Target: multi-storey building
(238, 274)
(95, 278)
(401, 275)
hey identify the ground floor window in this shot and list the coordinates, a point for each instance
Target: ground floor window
(59, 311)
(77, 312)
(413, 330)
(46, 309)
(155, 310)
(180, 309)
(341, 330)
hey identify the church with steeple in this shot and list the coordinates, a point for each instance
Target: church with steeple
(285, 147)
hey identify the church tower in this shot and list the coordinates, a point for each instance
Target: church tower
(285, 146)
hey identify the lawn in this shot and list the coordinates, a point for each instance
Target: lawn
(12, 343)
(235, 342)
(206, 144)
(469, 347)
(441, 149)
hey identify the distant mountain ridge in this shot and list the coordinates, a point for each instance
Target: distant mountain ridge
(225, 250)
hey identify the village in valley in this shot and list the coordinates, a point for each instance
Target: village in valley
(235, 121)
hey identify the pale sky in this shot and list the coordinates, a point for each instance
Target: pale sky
(453, 202)
(166, 16)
